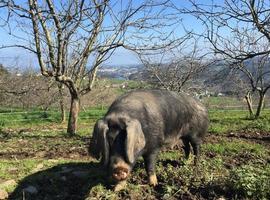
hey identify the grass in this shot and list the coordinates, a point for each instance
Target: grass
(16, 118)
(39, 154)
(235, 147)
(221, 101)
(227, 102)
(17, 169)
(223, 121)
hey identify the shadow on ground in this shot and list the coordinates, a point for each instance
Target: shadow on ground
(66, 181)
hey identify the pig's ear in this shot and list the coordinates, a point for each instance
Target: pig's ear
(99, 145)
(135, 141)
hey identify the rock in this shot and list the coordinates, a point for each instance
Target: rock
(13, 169)
(231, 134)
(7, 183)
(3, 194)
(31, 189)
(72, 148)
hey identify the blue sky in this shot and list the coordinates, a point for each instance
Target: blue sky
(20, 57)
(13, 57)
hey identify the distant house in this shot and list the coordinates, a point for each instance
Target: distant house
(220, 94)
(122, 85)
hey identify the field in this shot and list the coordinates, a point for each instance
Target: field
(38, 161)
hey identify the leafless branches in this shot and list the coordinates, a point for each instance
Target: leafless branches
(71, 39)
(239, 33)
(27, 89)
(236, 30)
(256, 74)
(177, 69)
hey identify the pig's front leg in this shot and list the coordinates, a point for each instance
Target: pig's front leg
(150, 161)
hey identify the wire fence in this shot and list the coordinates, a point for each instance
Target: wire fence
(234, 107)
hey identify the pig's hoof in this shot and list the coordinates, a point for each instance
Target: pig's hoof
(120, 186)
(153, 180)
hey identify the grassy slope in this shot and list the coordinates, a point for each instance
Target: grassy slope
(37, 152)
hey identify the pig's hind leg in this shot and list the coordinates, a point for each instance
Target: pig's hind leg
(195, 143)
(186, 147)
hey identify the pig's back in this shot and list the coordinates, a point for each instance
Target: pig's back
(163, 114)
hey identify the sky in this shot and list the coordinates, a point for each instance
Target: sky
(13, 57)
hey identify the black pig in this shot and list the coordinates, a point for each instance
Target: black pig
(139, 123)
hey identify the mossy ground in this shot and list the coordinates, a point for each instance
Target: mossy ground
(234, 163)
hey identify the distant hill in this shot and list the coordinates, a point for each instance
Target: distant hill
(217, 78)
(119, 71)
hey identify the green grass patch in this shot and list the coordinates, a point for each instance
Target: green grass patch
(235, 147)
(37, 117)
(222, 121)
(18, 169)
(222, 101)
(170, 155)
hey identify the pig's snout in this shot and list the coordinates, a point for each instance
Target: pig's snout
(120, 174)
(119, 169)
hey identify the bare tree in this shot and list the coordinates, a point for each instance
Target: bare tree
(177, 69)
(239, 33)
(256, 72)
(22, 86)
(71, 39)
(61, 102)
(222, 21)
(27, 89)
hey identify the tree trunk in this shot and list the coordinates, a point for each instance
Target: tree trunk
(248, 98)
(63, 112)
(61, 103)
(73, 115)
(260, 105)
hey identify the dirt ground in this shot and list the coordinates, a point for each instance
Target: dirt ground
(21, 145)
(82, 178)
